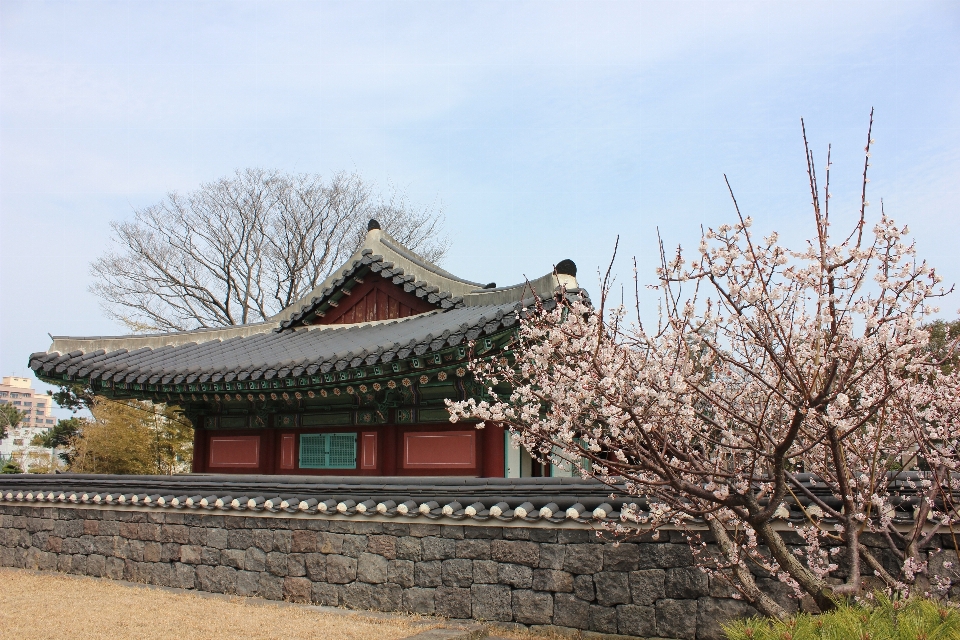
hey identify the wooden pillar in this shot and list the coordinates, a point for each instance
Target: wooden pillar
(270, 448)
(391, 453)
(493, 451)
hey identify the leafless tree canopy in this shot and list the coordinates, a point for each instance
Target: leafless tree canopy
(242, 248)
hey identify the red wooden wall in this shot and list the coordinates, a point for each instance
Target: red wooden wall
(375, 299)
(392, 450)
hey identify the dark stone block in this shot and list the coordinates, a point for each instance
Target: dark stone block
(149, 531)
(583, 588)
(283, 540)
(297, 589)
(532, 607)
(647, 586)
(114, 569)
(396, 529)
(453, 602)
(400, 572)
(677, 619)
(152, 550)
(196, 536)
(613, 588)
(164, 574)
(277, 563)
(304, 542)
(372, 568)
(485, 572)
(385, 546)
(239, 539)
(186, 576)
(262, 539)
(438, 548)
(484, 533)
(341, 569)
(575, 536)
(217, 579)
(457, 573)
(419, 530)
(543, 535)
(316, 565)
(189, 554)
(473, 549)
(325, 594)
(603, 619)
(713, 612)
(636, 620)
(552, 580)
(516, 533)
(686, 583)
(515, 575)
(271, 587)
(783, 594)
(452, 531)
(551, 556)
(570, 611)
(663, 556)
(96, 565)
(331, 543)
(169, 552)
(491, 602)
(427, 574)
(296, 565)
(208, 555)
(408, 548)
(248, 583)
(217, 538)
(232, 558)
(515, 552)
(418, 600)
(375, 597)
(354, 545)
(583, 558)
(622, 557)
(254, 559)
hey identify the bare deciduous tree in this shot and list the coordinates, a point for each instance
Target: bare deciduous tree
(242, 248)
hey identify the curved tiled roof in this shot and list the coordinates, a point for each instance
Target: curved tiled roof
(270, 354)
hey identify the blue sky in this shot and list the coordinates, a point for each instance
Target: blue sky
(543, 129)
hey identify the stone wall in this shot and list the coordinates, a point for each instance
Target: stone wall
(528, 575)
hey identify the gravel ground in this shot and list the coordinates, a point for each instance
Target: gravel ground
(34, 605)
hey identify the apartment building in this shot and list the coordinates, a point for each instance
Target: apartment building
(38, 417)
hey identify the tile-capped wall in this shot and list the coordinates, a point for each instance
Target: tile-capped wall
(531, 576)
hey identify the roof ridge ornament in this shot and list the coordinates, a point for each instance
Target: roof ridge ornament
(373, 224)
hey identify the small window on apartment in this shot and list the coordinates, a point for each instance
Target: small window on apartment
(4, 394)
(16, 402)
(49, 421)
(28, 404)
(328, 451)
(41, 404)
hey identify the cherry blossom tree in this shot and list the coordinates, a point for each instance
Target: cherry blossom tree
(782, 395)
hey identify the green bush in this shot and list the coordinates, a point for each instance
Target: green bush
(885, 619)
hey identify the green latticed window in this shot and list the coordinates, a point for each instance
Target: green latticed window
(328, 451)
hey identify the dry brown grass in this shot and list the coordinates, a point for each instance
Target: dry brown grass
(58, 606)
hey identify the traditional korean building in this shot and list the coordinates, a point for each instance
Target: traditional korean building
(350, 380)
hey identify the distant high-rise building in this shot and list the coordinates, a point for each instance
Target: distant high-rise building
(37, 419)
